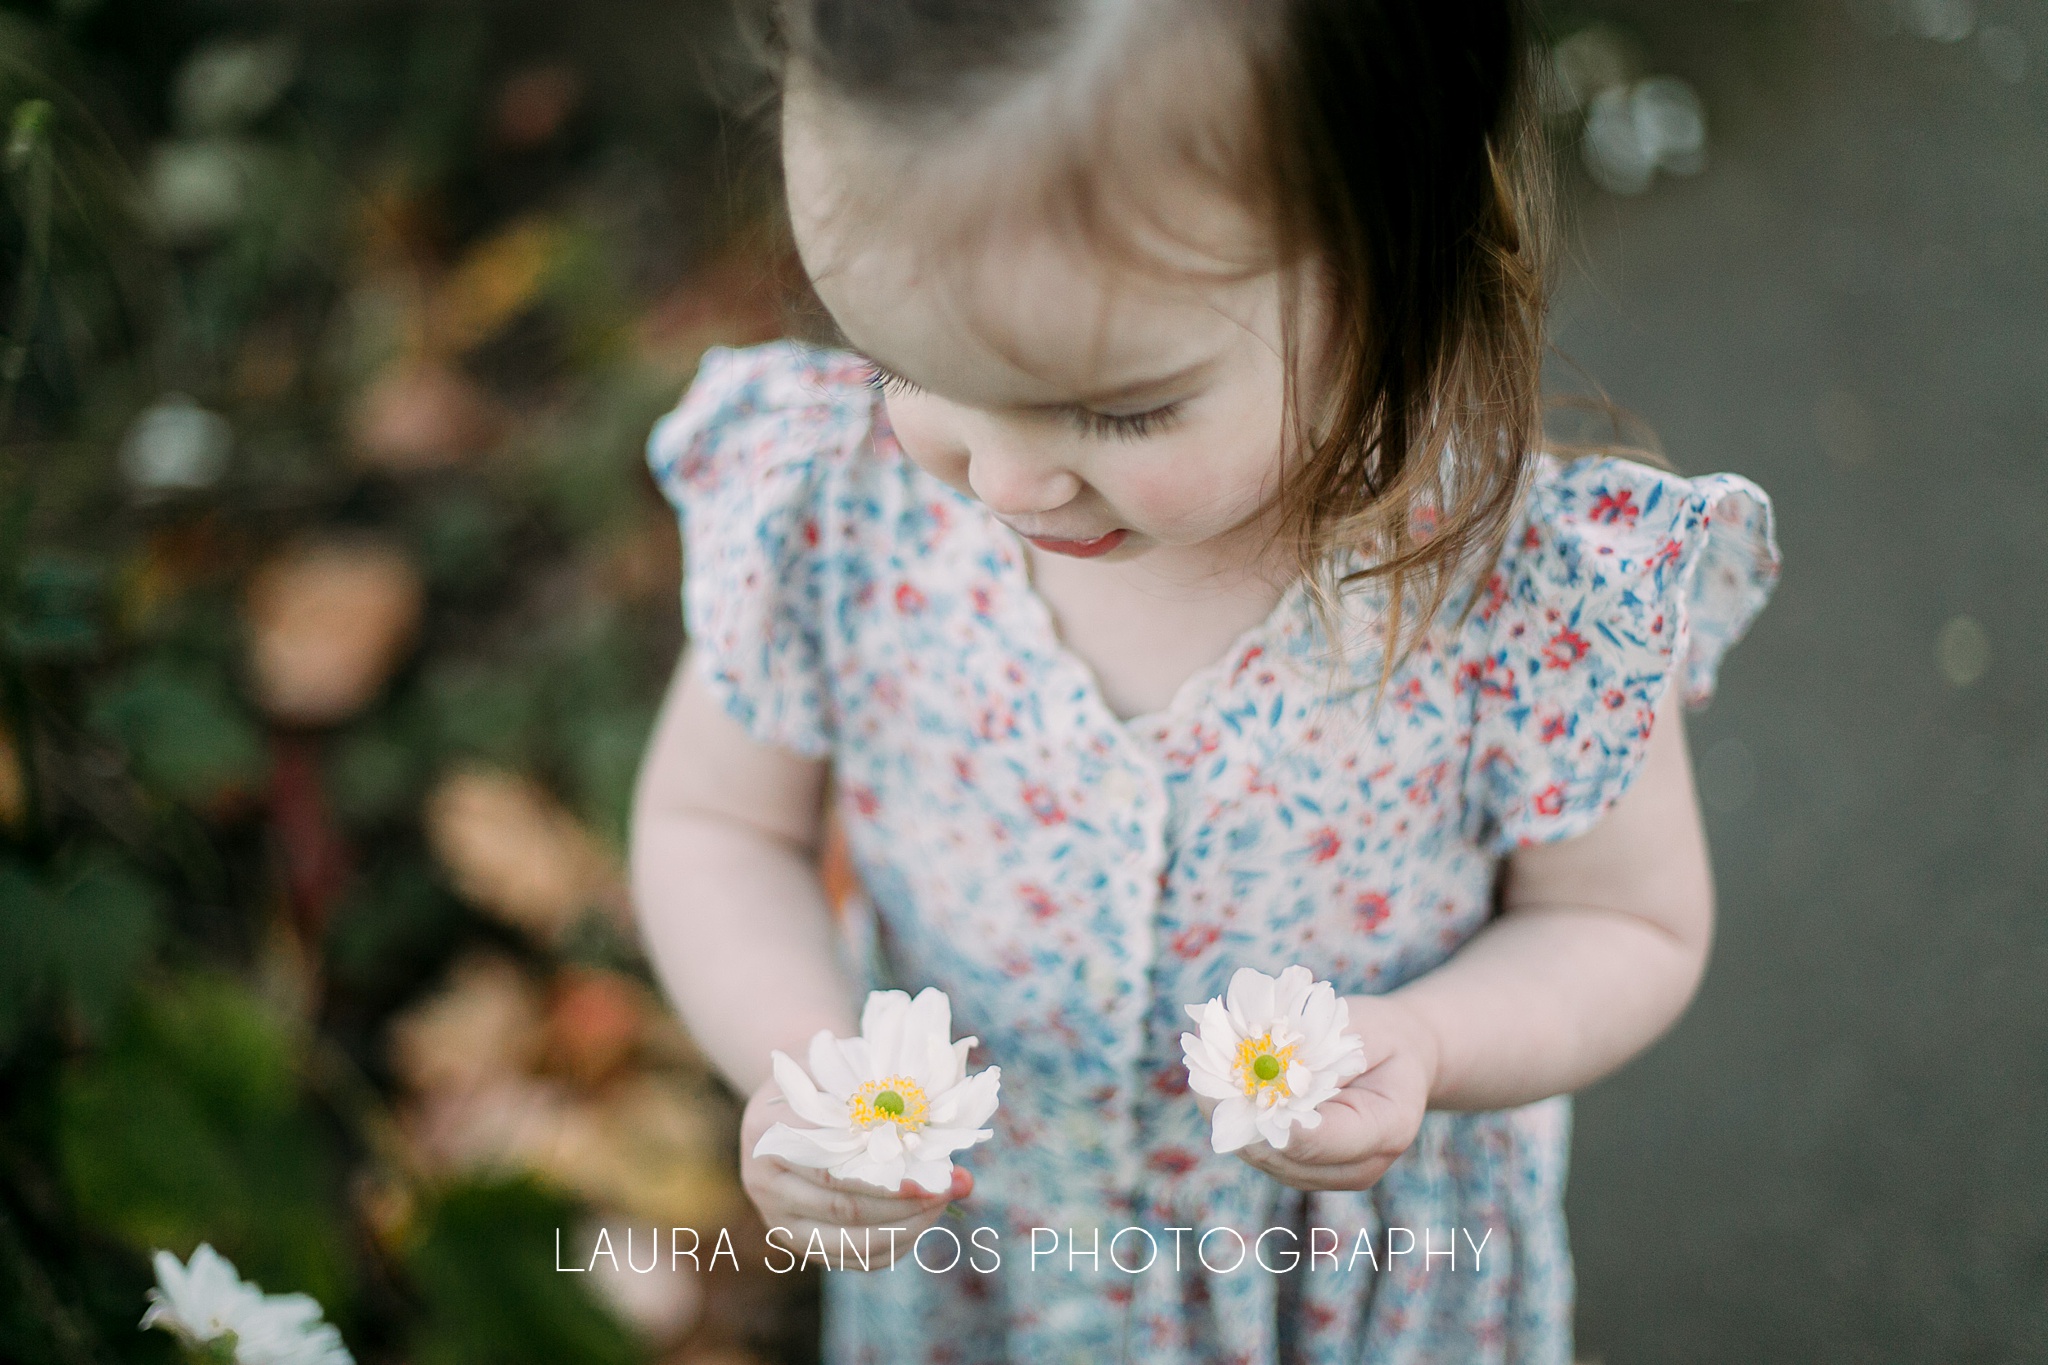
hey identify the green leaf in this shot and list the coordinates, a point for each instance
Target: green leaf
(461, 538)
(374, 772)
(392, 921)
(26, 910)
(489, 713)
(190, 1126)
(183, 731)
(56, 608)
(29, 133)
(86, 929)
(605, 748)
(492, 1296)
(108, 918)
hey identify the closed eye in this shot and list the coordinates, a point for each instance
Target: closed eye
(1108, 426)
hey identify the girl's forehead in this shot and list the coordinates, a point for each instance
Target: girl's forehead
(981, 283)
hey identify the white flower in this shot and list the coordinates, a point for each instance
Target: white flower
(1271, 1055)
(893, 1104)
(206, 1302)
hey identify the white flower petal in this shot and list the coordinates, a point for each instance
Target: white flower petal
(800, 1146)
(931, 1174)
(1235, 1125)
(1211, 1084)
(882, 1023)
(1273, 1126)
(885, 1142)
(932, 1064)
(968, 1104)
(1250, 1000)
(1319, 1011)
(1220, 1031)
(950, 1140)
(1320, 1050)
(957, 1072)
(884, 1173)
(813, 1108)
(829, 1066)
(860, 1059)
(201, 1301)
(1292, 990)
(931, 1014)
(837, 1142)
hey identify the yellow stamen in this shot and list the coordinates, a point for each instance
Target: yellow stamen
(893, 1099)
(1262, 1068)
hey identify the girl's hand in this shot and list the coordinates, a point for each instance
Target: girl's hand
(803, 1200)
(1373, 1119)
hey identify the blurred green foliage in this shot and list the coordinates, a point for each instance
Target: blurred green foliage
(248, 256)
(191, 1125)
(489, 1300)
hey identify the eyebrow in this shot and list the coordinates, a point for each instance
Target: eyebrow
(1121, 393)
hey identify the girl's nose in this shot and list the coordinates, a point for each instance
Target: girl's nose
(1013, 483)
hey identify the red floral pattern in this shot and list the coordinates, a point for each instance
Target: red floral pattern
(1072, 878)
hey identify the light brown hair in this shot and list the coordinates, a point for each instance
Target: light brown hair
(1396, 145)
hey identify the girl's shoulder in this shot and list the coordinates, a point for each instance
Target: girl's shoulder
(1643, 557)
(1617, 581)
(750, 410)
(758, 460)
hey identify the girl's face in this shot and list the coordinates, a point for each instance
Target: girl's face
(1098, 408)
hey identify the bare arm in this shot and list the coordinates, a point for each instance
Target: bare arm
(1599, 948)
(724, 860)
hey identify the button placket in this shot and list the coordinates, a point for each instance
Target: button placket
(1140, 786)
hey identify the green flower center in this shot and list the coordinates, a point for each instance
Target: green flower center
(1262, 1068)
(889, 1099)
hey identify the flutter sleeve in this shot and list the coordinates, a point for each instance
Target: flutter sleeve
(747, 460)
(1618, 580)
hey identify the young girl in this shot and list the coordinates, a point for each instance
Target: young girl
(1164, 568)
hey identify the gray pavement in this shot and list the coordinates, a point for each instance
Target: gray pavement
(1841, 1153)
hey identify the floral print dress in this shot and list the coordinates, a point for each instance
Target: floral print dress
(1071, 878)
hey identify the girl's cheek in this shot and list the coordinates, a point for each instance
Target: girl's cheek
(928, 439)
(1196, 484)
(1162, 494)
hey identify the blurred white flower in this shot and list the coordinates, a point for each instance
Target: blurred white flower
(1596, 58)
(1945, 21)
(206, 1304)
(893, 1104)
(226, 84)
(1635, 130)
(175, 443)
(1271, 1053)
(200, 186)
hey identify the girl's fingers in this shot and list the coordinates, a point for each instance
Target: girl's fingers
(804, 1193)
(1302, 1175)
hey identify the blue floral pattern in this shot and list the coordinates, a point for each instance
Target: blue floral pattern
(1071, 878)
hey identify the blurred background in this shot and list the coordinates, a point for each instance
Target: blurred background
(335, 602)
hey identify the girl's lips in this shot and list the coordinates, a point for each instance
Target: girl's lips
(1082, 549)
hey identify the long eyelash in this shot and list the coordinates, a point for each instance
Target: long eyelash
(1100, 425)
(1134, 427)
(883, 381)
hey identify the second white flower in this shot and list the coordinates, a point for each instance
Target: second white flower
(1269, 1053)
(891, 1105)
